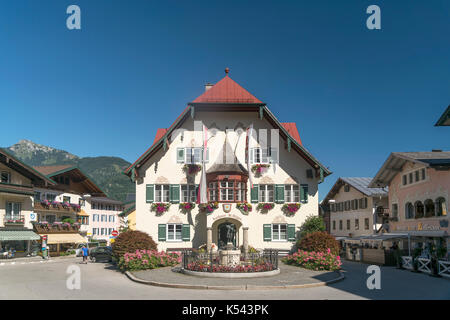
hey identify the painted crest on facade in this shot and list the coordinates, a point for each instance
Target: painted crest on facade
(226, 207)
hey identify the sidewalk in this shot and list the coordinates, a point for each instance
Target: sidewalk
(36, 259)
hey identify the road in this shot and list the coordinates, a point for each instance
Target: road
(102, 281)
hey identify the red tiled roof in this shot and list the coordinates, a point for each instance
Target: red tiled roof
(159, 134)
(291, 128)
(226, 91)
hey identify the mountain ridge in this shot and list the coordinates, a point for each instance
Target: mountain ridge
(106, 171)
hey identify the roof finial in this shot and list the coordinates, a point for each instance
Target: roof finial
(227, 70)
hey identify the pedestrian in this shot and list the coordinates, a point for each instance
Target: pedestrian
(85, 252)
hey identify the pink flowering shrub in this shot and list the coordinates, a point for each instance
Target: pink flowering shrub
(312, 260)
(148, 259)
(200, 266)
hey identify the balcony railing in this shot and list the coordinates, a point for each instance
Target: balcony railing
(55, 227)
(14, 220)
(56, 207)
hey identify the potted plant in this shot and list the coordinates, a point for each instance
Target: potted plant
(259, 168)
(160, 207)
(290, 209)
(265, 207)
(186, 207)
(244, 207)
(192, 169)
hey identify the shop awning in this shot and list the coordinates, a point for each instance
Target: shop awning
(82, 213)
(428, 234)
(11, 235)
(54, 238)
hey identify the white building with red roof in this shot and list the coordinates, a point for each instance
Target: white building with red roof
(260, 181)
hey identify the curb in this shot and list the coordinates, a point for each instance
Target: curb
(244, 287)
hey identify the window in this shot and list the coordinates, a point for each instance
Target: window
(346, 188)
(174, 232)
(348, 224)
(81, 202)
(5, 177)
(213, 191)
(347, 205)
(340, 224)
(410, 177)
(334, 224)
(13, 209)
(226, 190)
(50, 196)
(162, 192)
(429, 208)
(419, 209)
(366, 223)
(194, 155)
(409, 211)
(37, 196)
(394, 210)
(104, 218)
(279, 232)
(66, 199)
(265, 193)
(405, 180)
(103, 231)
(291, 193)
(363, 203)
(94, 231)
(109, 231)
(441, 207)
(423, 174)
(189, 193)
(333, 207)
(356, 224)
(111, 218)
(417, 174)
(263, 155)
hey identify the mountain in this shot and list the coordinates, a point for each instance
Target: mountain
(105, 171)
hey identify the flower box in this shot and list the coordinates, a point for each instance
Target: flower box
(192, 169)
(186, 207)
(259, 168)
(290, 209)
(265, 207)
(244, 207)
(160, 207)
(208, 207)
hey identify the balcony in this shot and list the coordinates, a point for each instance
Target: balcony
(44, 206)
(55, 227)
(14, 220)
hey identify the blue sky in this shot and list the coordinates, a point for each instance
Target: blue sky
(355, 94)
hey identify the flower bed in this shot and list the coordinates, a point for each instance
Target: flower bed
(148, 259)
(314, 260)
(244, 207)
(186, 207)
(160, 207)
(203, 267)
(290, 209)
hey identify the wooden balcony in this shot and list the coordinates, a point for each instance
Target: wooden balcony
(58, 208)
(54, 228)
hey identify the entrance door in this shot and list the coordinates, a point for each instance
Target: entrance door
(227, 233)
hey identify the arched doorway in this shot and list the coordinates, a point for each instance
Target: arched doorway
(226, 232)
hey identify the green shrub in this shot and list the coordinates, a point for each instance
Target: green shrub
(312, 224)
(131, 241)
(319, 242)
(68, 220)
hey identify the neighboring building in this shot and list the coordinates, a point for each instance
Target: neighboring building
(66, 201)
(129, 215)
(444, 120)
(419, 191)
(104, 213)
(355, 209)
(16, 205)
(324, 212)
(227, 110)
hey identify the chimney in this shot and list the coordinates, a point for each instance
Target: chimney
(208, 86)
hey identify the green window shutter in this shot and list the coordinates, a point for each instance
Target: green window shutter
(186, 232)
(267, 232)
(150, 193)
(161, 232)
(180, 155)
(279, 193)
(304, 193)
(291, 232)
(174, 193)
(254, 193)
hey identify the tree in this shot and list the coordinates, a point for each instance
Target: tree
(312, 224)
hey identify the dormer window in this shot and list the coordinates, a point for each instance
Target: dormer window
(5, 177)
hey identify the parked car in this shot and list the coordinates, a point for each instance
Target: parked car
(89, 245)
(101, 254)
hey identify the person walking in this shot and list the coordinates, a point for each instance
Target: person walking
(85, 252)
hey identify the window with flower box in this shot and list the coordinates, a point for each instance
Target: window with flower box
(13, 210)
(191, 155)
(231, 189)
(266, 193)
(162, 192)
(263, 155)
(291, 193)
(189, 193)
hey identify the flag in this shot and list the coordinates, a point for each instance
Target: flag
(247, 153)
(202, 195)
